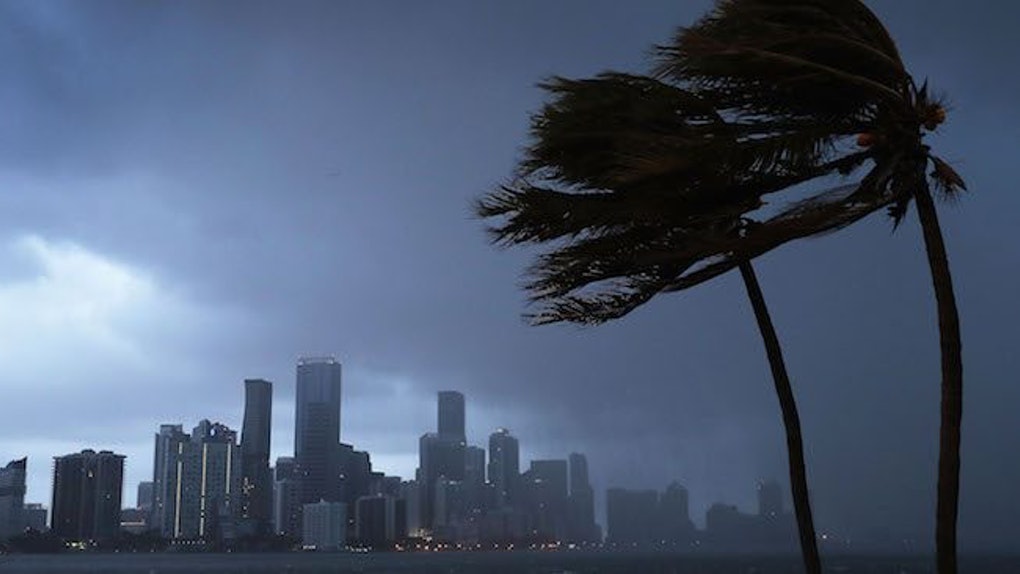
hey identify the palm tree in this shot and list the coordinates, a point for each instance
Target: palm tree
(645, 189)
(648, 185)
(813, 75)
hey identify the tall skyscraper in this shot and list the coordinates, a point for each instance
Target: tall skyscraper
(317, 428)
(451, 414)
(256, 482)
(442, 454)
(143, 498)
(164, 473)
(207, 483)
(87, 490)
(546, 487)
(504, 466)
(581, 503)
(674, 516)
(474, 478)
(286, 498)
(12, 498)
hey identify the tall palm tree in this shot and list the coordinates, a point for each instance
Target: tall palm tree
(645, 188)
(648, 185)
(813, 75)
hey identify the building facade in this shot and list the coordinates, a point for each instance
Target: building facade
(317, 428)
(324, 525)
(12, 498)
(504, 467)
(87, 492)
(256, 481)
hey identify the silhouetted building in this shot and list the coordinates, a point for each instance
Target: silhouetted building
(87, 490)
(376, 521)
(324, 525)
(12, 498)
(545, 483)
(581, 503)
(203, 482)
(317, 429)
(287, 507)
(504, 467)
(355, 477)
(256, 482)
(410, 492)
(35, 516)
(674, 520)
(143, 496)
(474, 479)
(164, 477)
(451, 415)
(630, 516)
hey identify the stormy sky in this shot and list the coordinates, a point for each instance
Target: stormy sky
(192, 193)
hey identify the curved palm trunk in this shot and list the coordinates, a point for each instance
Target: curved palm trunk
(952, 384)
(791, 421)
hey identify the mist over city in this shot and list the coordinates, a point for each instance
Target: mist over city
(198, 194)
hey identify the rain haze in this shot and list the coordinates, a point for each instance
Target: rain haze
(192, 193)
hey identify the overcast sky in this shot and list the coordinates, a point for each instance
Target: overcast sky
(192, 193)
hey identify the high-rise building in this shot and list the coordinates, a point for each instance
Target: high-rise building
(474, 478)
(35, 516)
(675, 526)
(12, 498)
(770, 499)
(581, 503)
(87, 490)
(164, 477)
(451, 415)
(286, 498)
(504, 467)
(196, 482)
(546, 487)
(376, 521)
(439, 456)
(324, 525)
(256, 482)
(143, 498)
(317, 428)
(208, 483)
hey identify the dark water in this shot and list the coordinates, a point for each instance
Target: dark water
(479, 563)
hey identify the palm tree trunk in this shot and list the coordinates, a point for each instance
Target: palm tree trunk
(952, 384)
(791, 421)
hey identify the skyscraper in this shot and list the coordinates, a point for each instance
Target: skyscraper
(256, 482)
(317, 429)
(451, 414)
(87, 489)
(143, 498)
(286, 498)
(546, 488)
(12, 498)
(474, 478)
(504, 466)
(581, 503)
(206, 483)
(164, 473)
(675, 524)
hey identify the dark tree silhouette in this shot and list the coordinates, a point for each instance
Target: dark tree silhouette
(641, 185)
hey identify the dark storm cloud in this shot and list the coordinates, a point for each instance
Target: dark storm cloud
(295, 179)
